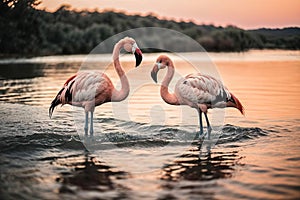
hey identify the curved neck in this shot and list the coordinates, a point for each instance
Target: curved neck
(168, 97)
(119, 95)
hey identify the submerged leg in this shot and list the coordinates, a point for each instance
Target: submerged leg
(200, 122)
(208, 125)
(86, 125)
(92, 124)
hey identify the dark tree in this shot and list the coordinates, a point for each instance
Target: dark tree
(27, 31)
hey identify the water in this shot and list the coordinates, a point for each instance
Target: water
(256, 156)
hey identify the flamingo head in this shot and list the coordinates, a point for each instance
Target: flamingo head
(131, 46)
(161, 63)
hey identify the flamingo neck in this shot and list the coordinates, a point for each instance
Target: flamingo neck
(168, 97)
(119, 95)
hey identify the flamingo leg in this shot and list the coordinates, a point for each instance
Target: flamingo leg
(92, 124)
(200, 121)
(86, 125)
(208, 125)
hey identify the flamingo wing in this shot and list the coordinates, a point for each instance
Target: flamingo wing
(85, 86)
(202, 89)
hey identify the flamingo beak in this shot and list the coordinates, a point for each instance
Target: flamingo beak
(138, 57)
(154, 73)
(138, 54)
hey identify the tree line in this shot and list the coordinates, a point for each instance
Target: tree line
(27, 31)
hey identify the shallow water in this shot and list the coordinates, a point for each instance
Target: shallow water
(144, 148)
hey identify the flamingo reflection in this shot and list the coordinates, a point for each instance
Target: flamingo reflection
(197, 166)
(88, 174)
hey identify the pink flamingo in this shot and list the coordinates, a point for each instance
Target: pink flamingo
(195, 90)
(88, 89)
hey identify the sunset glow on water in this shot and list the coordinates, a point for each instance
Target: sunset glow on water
(256, 156)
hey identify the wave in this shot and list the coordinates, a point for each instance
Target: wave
(231, 133)
(125, 134)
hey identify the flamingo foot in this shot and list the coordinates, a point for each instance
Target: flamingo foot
(86, 131)
(86, 126)
(201, 132)
(209, 129)
(201, 124)
(92, 124)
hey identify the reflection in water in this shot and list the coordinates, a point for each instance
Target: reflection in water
(89, 174)
(197, 166)
(195, 172)
(29, 140)
(21, 71)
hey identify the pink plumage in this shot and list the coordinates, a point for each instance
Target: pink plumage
(88, 89)
(195, 90)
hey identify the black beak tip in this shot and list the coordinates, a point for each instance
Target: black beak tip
(138, 59)
(154, 76)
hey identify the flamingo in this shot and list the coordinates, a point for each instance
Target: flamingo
(195, 90)
(88, 89)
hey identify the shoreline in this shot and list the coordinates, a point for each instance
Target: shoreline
(251, 55)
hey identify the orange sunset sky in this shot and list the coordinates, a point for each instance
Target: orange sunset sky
(246, 14)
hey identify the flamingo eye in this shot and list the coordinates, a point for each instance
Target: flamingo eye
(159, 61)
